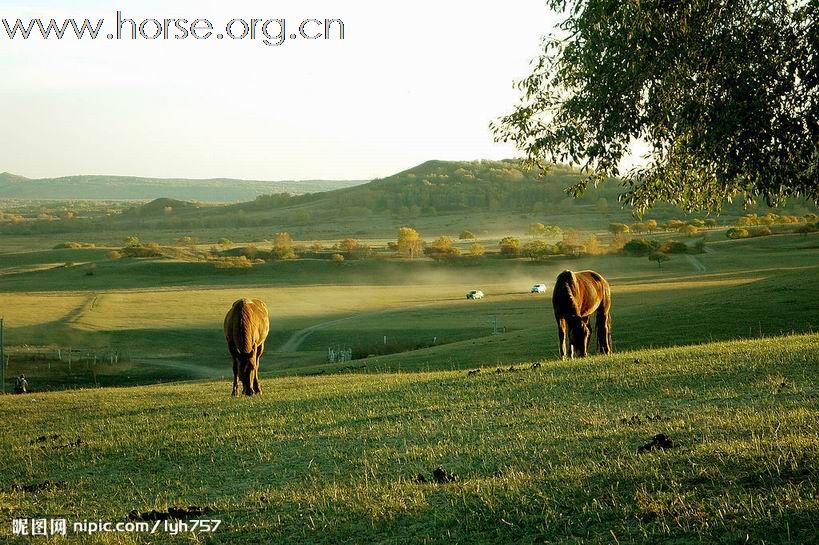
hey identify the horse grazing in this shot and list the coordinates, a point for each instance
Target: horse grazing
(246, 328)
(576, 296)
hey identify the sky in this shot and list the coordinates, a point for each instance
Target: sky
(410, 82)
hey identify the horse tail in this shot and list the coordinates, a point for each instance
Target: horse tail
(603, 321)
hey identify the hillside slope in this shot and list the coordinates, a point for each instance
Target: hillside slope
(549, 454)
(138, 188)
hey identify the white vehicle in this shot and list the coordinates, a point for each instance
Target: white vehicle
(474, 294)
(538, 288)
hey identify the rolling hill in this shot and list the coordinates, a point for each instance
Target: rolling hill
(137, 188)
(439, 197)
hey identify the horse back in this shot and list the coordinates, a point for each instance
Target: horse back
(247, 324)
(579, 293)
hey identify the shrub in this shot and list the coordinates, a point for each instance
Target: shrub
(673, 247)
(476, 250)
(338, 258)
(113, 254)
(761, 231)
(149, 250)
(689, 230)
(618, 228)
(737, 232)
(232, 262)
(807, 228)
(250, 252)
(509, 247)
(443, 247)
(74, 245)
(467, 235)
(537, 249)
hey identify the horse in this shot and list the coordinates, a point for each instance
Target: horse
(576, 296)
(246, 327)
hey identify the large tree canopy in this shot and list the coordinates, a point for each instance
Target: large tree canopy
(725, 92)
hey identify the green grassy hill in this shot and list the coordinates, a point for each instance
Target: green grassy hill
(490, 198)
(138, 188)
(549, 454)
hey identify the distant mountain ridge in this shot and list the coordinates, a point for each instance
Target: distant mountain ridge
(103, 187)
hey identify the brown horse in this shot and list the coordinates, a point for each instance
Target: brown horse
(576, 296)
(246, 328)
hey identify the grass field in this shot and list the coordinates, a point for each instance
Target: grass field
(542, 455)
(171, 310)
(716, 350)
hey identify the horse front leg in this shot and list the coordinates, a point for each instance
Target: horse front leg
(235, 376)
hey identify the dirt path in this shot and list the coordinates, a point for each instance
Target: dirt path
(699, 266)
(296, 339)
(196, 371)
(294, 342)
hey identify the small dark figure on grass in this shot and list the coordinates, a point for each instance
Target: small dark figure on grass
(20, 385)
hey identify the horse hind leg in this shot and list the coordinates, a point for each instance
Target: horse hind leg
(561, 337)
(603, 326)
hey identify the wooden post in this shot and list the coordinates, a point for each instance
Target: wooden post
(3, 354)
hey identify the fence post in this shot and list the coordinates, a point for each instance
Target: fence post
(3, 353)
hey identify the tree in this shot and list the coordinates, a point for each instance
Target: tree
(650, 225)
(617, 243)
(689, 230)
(640, 247)
(571, 237)
(618, 228)
(476, 250)
(132, 241)
(536, 229)
(348, 244)
(673, 247)
(443, 247)
(725, 93)
(538, 250)
(509, 246)
(553, 231)
(592, 246)
(409, 242)
(467, 235)
(283, 246)
(659, 257)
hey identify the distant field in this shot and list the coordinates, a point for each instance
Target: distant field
(173, 310)
(541, 455)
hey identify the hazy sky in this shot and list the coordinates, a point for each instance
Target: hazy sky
(411, 81)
